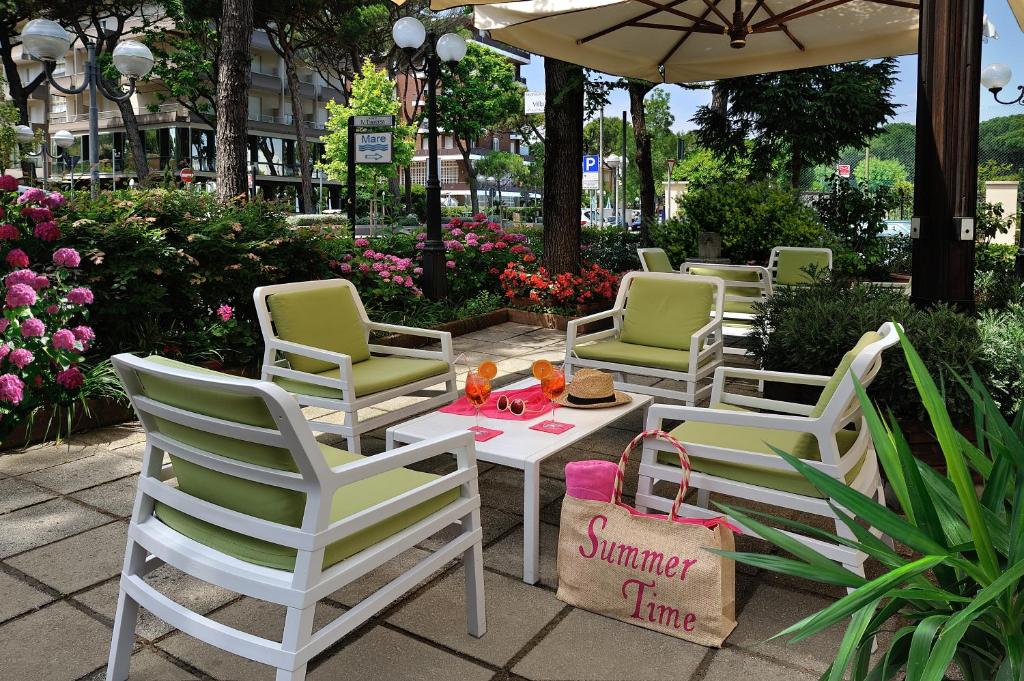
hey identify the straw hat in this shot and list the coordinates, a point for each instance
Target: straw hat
(591, 389)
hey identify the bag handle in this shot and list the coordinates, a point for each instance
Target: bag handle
(684, 463)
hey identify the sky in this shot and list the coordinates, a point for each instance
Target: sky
(1008, 49)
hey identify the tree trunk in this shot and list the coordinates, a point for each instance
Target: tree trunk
(474, 195)
(644, 163)
(563, 181)
(134, 135)
(233, 98)
(294, 90)
(796, 168)
(720, 97)
(407, 177)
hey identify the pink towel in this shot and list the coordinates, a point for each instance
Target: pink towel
(594, 480)
(536, 405)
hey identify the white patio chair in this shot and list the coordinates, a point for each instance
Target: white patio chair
(316, 347)
(745, 285)
(654, 260)
(663, 326)
(730, 453)
(788, 264)
(251, 502)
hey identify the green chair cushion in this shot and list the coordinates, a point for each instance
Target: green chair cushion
(657, 261)
(665, 312)
(635, 355)
(347, 501)
(791, 266)
(748, 439)
(371, 376)
(324, 318)
(733, 275)
(842, 370)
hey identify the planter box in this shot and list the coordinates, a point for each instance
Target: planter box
(549, 320)
(459, 327)
(102, 413)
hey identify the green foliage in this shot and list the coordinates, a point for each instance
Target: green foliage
(807, 114)
(957, 596)
(702, 167)
(1002, 352)
(613, 248)
(808, 329)
(373, 94)
(677, 237)
(185, 62)
(855, 217)
(880, 172)
(9, 118)
(992, 220)
(753, 218)
(991, 257)
(1002, 138)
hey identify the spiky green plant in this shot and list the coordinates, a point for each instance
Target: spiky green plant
(959, 595)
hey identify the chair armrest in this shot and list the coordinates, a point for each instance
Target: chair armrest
(775, 376)
(696, 340)
(343, 361)
(446, 352)
(460, 444)
(408, 330)
(660, 412)
(574, 324)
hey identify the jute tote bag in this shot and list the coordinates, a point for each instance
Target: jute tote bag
(649, 570)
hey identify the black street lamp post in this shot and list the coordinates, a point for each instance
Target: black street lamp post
(421, 47)
(47, 41)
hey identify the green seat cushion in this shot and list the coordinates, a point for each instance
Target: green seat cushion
(743, 291)
(665, 312)
(657, 261)
(791, 266)
(842, 370)
(636, 355)
(324, 318)
(748, 439)
(347, 501)
(371, 376)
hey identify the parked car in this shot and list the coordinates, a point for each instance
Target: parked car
(635, 224)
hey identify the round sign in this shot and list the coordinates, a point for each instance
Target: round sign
(187, 175)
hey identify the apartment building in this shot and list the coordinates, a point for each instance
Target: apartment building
(174, 138)
(453, 173)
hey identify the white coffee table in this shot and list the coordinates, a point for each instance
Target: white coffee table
(519, 447)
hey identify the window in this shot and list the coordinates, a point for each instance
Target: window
(418, 172)
(495, 143)
(449, 142)
(58, 105)
(449, 172)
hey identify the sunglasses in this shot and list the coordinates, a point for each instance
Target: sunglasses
(516, 406)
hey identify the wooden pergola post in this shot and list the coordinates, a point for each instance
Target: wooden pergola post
(946, 164)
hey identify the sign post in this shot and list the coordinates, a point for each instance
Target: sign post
(591, 172)
(366, 147)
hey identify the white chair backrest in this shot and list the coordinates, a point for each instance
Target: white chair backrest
(844, 406)
(258, 432)
(654, 260)
(798, 252)
(262, 293)
(740, 285)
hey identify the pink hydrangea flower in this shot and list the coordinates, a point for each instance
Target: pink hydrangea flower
(8, 183)
(500, 244)
(5, 350)
(41, 282)
(4, 323)
(71, 378)
(362, 243)
(422, 236)
(345, 267)
(37, 214)
(17, 258)
(398, 279)
(63, 339)
(486, 247)
(11, 388)
(364, 267)
(456, 232)
(32, 328)
(409, 283)
(80, 296)
(66, 257)
(33, 195)
(52, 309)
(27, 277)
(21, 358)
(20, 295)
(54, 200)
(47, 231)
(479, 217)
(419, 245)
(225, 312)
(450, 264)
(9, 231)
(84, 333)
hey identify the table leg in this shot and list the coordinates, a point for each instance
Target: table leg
(389, 440)
(531, 522)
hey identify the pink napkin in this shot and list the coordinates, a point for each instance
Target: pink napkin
(594, 480)
(536, 405)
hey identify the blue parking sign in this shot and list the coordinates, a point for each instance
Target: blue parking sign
(590, 164)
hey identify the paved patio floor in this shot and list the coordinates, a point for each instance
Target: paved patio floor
(63, 515)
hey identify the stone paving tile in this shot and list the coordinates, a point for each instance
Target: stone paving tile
(112, 437)
(507, 555)
(771, 610)
(115, 497)
(493, 521)
(729, 665)
(502, 488)
(82, 473)
(35, 458)
(16, 493)
(195, 594)
(256, 617)
(43, 523)
(595, 648)
(388, 655)
(369, 583)
(76, 562)
(148, 665)
(57, 643)
(18, 597)
(515, 613)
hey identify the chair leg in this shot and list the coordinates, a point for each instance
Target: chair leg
(125, 618)
(298, 629)
(473, 562)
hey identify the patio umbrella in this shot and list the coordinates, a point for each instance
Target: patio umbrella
(698, 40)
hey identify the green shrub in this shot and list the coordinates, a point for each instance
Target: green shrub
(997, 290)
(1002, 355)
(752, 217)
(855, 218)
(990, 257)
(613, 248)
(808, 329)
(677, 237)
